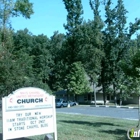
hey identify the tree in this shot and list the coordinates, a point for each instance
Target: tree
(116, 45)
(76, 80)
(56, 76)
(16, 71)
(23, 40)
(10, 8)
(42, 58)
(131, 69)
(37, 49)
(72, 46)
(94, 53)
(90, 44)
(74, 19)
(10, 65)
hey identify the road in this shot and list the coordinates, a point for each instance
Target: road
(121, 113)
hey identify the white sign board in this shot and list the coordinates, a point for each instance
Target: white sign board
(28, 112)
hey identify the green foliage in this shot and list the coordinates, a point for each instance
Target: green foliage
(72, 45)
(101, 51)
(56, 76)
(92, 53)
(74, 19)
(116, 44)
(76, 80)
(23, 39)
(15, 71)
(20, 65)
(131, 69)
(23, 7)
(42, 57)
(11, 8)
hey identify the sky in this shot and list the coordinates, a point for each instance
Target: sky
(49, 16)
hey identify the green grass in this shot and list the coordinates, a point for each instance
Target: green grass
(82, 127)
(112, 104)
(78, 127)
(127, 105)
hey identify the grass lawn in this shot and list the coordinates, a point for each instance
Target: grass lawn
(82, 127)
(126, 105)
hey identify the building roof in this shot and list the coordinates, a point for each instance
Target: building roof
(60, 92)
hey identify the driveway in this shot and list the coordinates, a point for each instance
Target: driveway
(121, 113)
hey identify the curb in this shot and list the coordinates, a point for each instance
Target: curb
(126, 107)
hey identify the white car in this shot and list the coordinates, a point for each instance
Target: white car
(61, 103)
(72, 103)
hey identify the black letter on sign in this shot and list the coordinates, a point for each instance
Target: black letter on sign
(19, 101)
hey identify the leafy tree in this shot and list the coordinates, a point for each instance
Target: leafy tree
(109, 35)
(10, 9)
(22, 7)
(23, 40)
(37, 47)
(116, 45)
(72, 46)
(42, 58)
(9, 64)
(76, 80)
(16, 71)
(90, 44)
(131, 69)
(74, 19)
(57, 69)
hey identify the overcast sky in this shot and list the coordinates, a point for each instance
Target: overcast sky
(50, 16)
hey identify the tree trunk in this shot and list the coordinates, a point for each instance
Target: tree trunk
(120, 101)
(67, 95)
(114, 93)
(104, 93)
(94, 89)
(74, 97)
(120, 97)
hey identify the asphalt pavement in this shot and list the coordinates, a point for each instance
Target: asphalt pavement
(120, 113)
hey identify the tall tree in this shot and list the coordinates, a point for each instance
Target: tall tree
(42, 58)
(91, 41)
(74, 21)
(16, 70)
(116, 44)
(56, 75)
(72, 46)
(94, 51)
(9, 62)
(109, 35)
(131, 68)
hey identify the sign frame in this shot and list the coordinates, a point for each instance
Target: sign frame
(45, 107)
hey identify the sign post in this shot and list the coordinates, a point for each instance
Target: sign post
(28, 112)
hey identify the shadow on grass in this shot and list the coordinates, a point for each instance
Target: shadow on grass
(120, 132)
(14, 139)
(116, 131)
(97, 124)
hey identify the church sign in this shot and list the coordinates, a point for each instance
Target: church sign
(28, 112)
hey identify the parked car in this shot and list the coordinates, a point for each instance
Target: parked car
(61, 103)
(72, 103)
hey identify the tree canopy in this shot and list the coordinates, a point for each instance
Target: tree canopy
(94, 51)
